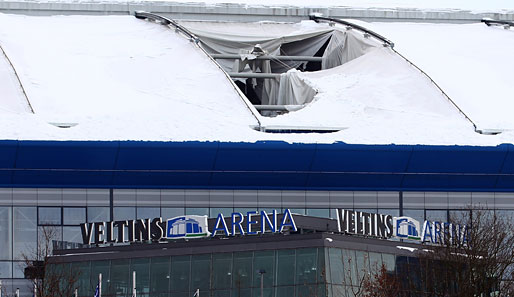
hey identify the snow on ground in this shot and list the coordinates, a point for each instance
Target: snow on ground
(120, 78)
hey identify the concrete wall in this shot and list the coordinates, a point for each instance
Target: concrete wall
(239, 12)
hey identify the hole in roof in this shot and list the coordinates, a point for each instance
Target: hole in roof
(266, 59)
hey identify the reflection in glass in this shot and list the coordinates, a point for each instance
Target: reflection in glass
(119, 283)
(159, 275)
(222, 270)
(6, 233)
(98, 214)
(74, 215)
(285, 266)
(242, 270)
(142, 268)
(148, 212)
(49, 215)
(200, 272)
(180, 267)
(124, 213)
(24, 231)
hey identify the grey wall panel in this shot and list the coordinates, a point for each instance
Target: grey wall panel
(365, 199)
(246, 198)
(6, 196)
(293, 199)
(148, 198)
(98, 197)
(484, 200)
(458, 200)
(436, 200)
(221, 198)
(124, 197)
(49, 197)
(317, 199)
(504, 200)
(339, 199)
(269, 199)
(197, 198)
(74, 197)
(414, 200)
(172, 198)
(388, 199)
(22, 196)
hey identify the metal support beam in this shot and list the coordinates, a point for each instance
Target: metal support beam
(254, 75)
(271, 57)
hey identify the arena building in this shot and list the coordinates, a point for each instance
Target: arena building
(111, 119)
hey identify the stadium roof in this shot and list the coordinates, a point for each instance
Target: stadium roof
(122, 78)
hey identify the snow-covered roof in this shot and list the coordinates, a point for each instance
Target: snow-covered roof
(121, 78)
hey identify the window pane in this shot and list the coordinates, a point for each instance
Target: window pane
(197, 211)
(242, 270)
(300, 211)
(98, 267)
(48, 236)
(49, 215)
(389, 211)
(6, 233)
(200, 272)
(169, 212)
(24, 231)
(72, 234)
(263, 261)
(159, 275)
(5, 270)
(83, 272)
(336, 266)
(318, 212)
(226, 211)
(74, 215)
(417, 214)
(148, 212)
(142, 268)
(98, 214)
(180, 267)
(389, 262)
(350, 267)
(119, 284)
(306, 266)
(124, 213)
(375, 261)
(437, 215)
(222, 270)
(285, 266)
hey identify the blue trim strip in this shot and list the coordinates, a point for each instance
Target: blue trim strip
(260, 165)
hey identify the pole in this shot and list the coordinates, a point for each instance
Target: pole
(262, 271)
(134, 283)
(99, 285)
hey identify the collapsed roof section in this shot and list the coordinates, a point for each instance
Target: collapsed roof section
(261, 57)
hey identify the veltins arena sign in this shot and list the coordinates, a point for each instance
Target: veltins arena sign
(387, 226)
(188, 226)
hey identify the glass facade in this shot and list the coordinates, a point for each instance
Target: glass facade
(25, 212)
(300, 272)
